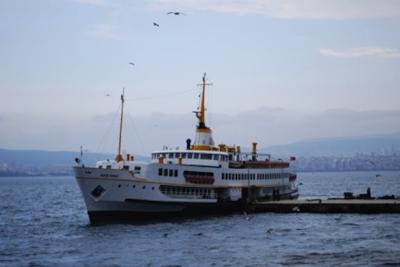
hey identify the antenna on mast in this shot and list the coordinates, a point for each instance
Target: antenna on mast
(201, 112)
(119, 157)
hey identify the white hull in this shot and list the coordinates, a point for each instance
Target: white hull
(111, 193)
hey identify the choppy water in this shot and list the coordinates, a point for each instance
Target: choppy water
(43, 222)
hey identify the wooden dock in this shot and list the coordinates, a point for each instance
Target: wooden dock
(329, 206)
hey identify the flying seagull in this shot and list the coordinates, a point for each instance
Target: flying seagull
(131, 63)
(156, 24)
(176, 13)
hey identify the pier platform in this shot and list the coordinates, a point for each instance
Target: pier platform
(329, 206)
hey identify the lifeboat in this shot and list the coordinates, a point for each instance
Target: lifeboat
(259, 164)
(199, 177)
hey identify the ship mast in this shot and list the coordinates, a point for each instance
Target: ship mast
(203, 139)
(119, 157)
(201, 114)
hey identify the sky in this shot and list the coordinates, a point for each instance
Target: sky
(282, 71)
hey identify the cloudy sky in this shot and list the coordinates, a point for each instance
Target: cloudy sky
(282, 71)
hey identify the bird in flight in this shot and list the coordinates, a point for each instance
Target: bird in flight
(155, 24)
(176, 13)
(131, 63)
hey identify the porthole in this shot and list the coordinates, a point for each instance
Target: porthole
(152, 188)
(144, 187)
(133, 186)
(119, 185)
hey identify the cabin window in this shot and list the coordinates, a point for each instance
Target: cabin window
(160, 171)
(216, 157)
(175, 173)
(138, 168)
(177, 155)
(190, 155)
(184, 155)
(171, 172)
(223, 176)
(206, 156)
(170, 155)
(108, 167)
(126, 167)
(165, 172)
(196, 155)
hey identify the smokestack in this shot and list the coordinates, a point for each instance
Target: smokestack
(254, 152)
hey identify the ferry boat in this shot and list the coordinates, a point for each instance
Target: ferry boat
(203, 178)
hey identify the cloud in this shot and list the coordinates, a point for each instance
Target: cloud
(98, 3)
(379, 52)
(297, 9)
(104, 31)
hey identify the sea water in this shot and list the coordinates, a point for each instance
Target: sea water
(43, 222)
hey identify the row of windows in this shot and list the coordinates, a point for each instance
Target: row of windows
(134, 186)
(191, 156)
(175, 190)
(238, 176)
(265, 176)
(253, 176)
(167, 172)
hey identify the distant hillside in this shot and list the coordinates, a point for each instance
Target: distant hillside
(45, 158)
(344, 146)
